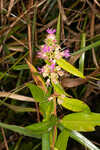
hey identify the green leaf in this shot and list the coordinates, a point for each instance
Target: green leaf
(69, 68)
(81, 121)
(62, 140)
(20, 130)
(46, 107)
(21, 67)
(43, 126)
(38, 94)
(58, 30)
(79, 138)
(73, 104)
(18, 143)
(34, 130)
(59, 89)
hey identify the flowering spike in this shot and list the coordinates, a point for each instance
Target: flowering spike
(50, 52)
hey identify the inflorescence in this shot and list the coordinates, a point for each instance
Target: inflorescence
(50, 52)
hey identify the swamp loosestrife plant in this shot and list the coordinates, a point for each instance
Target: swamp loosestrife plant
(81, 120)
(55, 65)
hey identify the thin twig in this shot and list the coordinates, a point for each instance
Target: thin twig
(92, 34)
(97, 3)
(11, 4)
(91, 6)
(5, 140)
(51, 23)
(18, 41)
(16, 96)
(21, 16)
(1, 6)
(30, 43)
(61, 9)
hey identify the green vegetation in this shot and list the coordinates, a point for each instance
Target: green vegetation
(49, 75)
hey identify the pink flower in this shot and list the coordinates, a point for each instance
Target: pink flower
(42, 55)
(39, 54)
(51, 31)
(66, 53)
(52, 67)
(40, 70)
(46, 48)
(52, 38)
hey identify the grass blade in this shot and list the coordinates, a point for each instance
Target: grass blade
(82, 58)
(93, 45)
(83, 140)
(61, 143)
(58, 30)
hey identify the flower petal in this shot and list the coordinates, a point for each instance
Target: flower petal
(51, 31)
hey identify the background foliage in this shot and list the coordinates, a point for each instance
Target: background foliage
(23, 97)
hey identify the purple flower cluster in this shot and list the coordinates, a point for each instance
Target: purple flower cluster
(50, 52)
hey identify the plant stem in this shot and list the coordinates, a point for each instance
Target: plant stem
(45, 141)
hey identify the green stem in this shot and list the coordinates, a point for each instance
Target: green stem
(45, 141)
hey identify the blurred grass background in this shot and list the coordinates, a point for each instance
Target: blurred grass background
(23, 26)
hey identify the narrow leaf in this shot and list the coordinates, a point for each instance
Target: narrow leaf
(33, 130)
(21, 67)
(38, 94)
(69, 68)
(37, 79)
(43, 126)
(59, 89)
(73, 104)
(46, 107)
(20, 130)
(81, 121)
(79, 138)
(62, 140)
